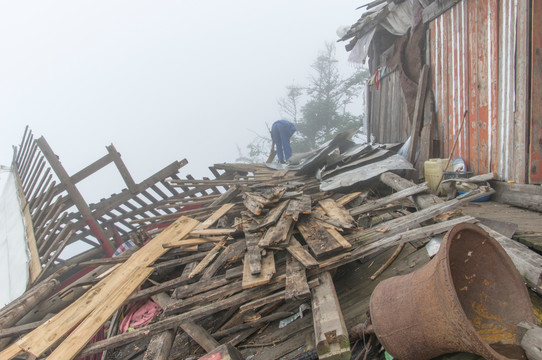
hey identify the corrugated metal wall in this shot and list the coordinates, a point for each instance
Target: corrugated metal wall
(535, 151)
(479, 61)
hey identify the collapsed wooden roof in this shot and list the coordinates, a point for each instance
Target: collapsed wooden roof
(238, 259)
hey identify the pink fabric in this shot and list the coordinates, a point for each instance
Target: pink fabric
(139, 314)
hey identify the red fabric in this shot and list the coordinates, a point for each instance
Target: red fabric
(139, 314)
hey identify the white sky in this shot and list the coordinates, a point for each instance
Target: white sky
(161, 80)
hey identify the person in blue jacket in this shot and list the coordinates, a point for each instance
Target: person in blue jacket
(281, 132)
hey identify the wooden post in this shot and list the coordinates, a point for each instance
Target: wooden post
(416, 122)
(75, 196)
(123, 170)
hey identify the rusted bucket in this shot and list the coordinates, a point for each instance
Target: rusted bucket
(469, 298)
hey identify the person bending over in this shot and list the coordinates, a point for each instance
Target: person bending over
(281, 132)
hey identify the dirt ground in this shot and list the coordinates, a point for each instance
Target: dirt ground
(526, 220)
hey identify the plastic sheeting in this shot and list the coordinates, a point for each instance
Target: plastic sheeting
(14, 255)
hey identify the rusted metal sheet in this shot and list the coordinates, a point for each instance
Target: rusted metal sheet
(535, 151)
(478, 57)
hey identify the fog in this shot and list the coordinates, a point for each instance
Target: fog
(161, 80)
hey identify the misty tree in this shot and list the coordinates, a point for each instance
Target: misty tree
(325, 112)
(319, 110)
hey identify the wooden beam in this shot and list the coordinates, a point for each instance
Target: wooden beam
(75, 195)
(296, 280)
(200, 335)
(330, 331)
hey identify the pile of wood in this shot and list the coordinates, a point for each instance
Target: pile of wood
(248, 271)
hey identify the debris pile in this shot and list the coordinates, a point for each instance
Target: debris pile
(251, 267)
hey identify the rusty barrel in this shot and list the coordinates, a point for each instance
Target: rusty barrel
(468, 298)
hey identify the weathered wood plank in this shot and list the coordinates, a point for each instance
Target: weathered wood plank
(302, 255)
(278, 235)
(378, 203)
(254, 254)
(207, 259)
(265, 275)
(319, 240)
(330, 331)
(337, 212)
(200, 335)
(79, 337)
(296, 280)
(232, 253)
(272, 217)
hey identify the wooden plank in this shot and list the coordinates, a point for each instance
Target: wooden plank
(278, 235)
(348, 198)
(528, 262)
(301, 206)
(200, 335)
(14, 311)
(340, 239)
(383, 201)
(330, 331)
(265, 275)
(232, 253)
(79, 337)
(255, 203)
(272, 217)
(188, 303)
(207, 259)
(35, 264)
(319, 240)
(398, 183)
(336, 212)
(211, 220)
(160, 346)
(123, 170)
(254, 254)
(301, 255)
(296, 280)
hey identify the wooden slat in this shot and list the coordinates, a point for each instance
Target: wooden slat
(296, 280)
(302, 255)
(254, 255)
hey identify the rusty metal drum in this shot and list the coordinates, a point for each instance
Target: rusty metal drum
(468, 298)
